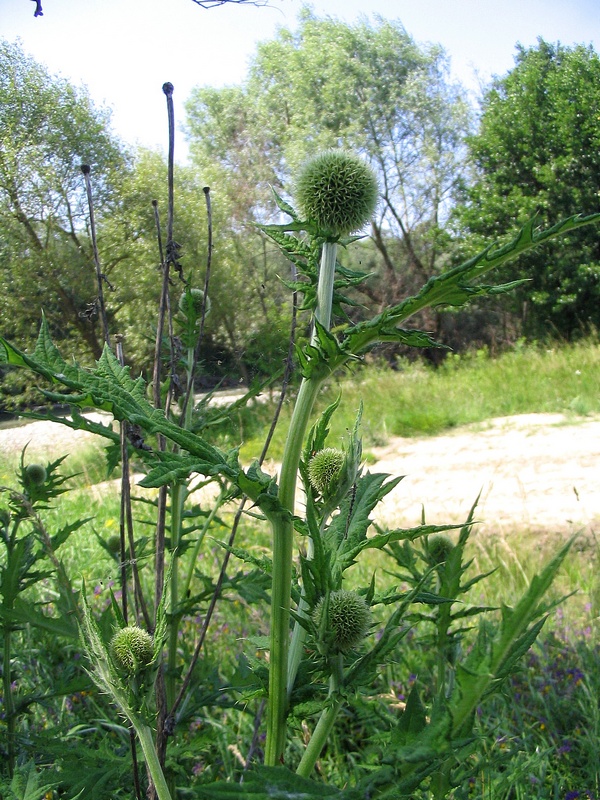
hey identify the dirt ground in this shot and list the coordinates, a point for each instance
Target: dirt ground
(536, 472)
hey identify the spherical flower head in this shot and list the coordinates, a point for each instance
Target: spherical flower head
(190, 303)
(114, 544)
(438, 549)
(132, 648)
(36, 474)
(348, 619)
(324, 469)
(338, 192)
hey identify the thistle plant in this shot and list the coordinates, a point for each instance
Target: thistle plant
(36, 474)
(132, 649)
(338, 192)
(321, 653)
(27, 557)
(341, 192)
(125, 668)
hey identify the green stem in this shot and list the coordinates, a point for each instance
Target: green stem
(283, 529)
(158, 778)
(299, 632)
(283, 538)
(326, 721)
(298, 636)
(213, 513)
(325, 285)
(9, 703)
(323, 314)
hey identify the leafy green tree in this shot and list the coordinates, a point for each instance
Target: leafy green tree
(367, 87)
(247, 330)
(538, 150)
(47, 130)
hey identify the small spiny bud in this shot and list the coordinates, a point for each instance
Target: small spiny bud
(36, 474)
(348, 619)
(338, 192)
(190, 303)
(132, 649)
(438, 549)
(324, 469)
(114, 544)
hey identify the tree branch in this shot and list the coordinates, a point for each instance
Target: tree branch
(217, 3)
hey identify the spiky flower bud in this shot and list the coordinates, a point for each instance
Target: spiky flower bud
(438, 549)
(324, 469)
(36, 474)
(132, 648)
(114, 544)
(348, 619)
(190, 303)
(338, 192)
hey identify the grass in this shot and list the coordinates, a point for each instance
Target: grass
(417, 400)
(548, 720)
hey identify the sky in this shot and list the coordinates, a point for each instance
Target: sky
(124, 50)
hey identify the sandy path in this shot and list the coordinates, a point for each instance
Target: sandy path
(537, 472)
(48, 439)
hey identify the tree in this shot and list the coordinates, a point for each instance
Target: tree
(202, 3)
(47, 130)
(365, 87)
(247, 330)
(217, 3)
(538, 150)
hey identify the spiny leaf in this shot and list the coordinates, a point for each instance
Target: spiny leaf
(518, 629)
(382, 539)
(175, 467)
(453, 287)
(320, 431)
(283, 206)
(261, 562)
(321, 357)
(349, 528)
(412, 721)
(110, 387)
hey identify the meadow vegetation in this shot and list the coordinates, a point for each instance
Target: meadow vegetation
(203, 637)
(543, 723)
(417, 399)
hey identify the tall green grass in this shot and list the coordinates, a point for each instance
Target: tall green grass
(415, 399)
(418, 400)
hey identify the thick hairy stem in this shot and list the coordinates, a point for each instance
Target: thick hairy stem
(325, 286)
(323, 314)
(298, 636)
(283, 538)
(326, 721)
(283, 530)
(158, 778)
